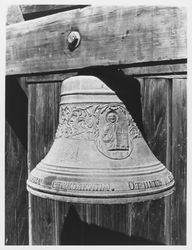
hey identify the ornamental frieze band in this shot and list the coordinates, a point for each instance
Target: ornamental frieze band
(83, 121)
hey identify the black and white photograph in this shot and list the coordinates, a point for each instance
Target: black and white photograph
(96, 124)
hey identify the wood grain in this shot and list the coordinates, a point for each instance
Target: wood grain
(83, 224)
(49, 78)
(148, 217)
(35, 11)
(16, 206)
(43, 120)
(157, 70)
(16, 196)
(162, 71)
(179, 164)
(114, 36)
(167, 200)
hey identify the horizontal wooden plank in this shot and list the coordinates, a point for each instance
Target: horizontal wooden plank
(29, 9)
(34, 11)
(167, 77)
(109, 36)
(49, 78)
(159, 71)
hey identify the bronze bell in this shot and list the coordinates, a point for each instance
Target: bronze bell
(99, 154)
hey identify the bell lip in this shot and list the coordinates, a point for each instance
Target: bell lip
(123, 199)
(85, 171)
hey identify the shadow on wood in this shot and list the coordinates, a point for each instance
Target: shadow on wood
(16, 109)
(126, 88)
(77, 232)
(16, 197)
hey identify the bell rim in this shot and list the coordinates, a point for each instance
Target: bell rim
(85, 171)
(121, 199)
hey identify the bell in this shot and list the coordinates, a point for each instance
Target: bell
(98, 155)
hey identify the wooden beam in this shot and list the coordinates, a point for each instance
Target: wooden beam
(157, 71)
(109, 36)
(34, 11)
(29, 9)
(49, 78)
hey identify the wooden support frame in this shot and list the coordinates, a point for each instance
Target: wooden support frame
(108, 36)
(30, 9)
(38, 49)
(34, 11)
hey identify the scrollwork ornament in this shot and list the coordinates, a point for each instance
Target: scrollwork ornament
(109, 125)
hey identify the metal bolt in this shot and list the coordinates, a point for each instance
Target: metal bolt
(73, 40)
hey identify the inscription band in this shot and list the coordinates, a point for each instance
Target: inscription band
(144, 185)
(81, 187)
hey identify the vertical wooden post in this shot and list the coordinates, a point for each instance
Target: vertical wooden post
(43, 119)
(148, 217)
(179, 143)
(29, 169)
(16, 217)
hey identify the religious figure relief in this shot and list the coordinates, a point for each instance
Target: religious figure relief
(114, 140)
(113, 135)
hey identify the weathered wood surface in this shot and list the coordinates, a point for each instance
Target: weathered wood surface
(16, 196)
(43, 120)
(179, 164)
(168, 205)
(148, 217)
(34, 11)
(109, 36)
(49, 78)
(161, 71)
(16, 203)
(164, 117)
(83, 224)
(157, 70)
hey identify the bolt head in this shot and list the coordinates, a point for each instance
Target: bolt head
(73, 40)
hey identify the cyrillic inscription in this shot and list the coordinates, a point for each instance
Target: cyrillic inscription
(144, 185)
(35, 179)
(80, 187)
